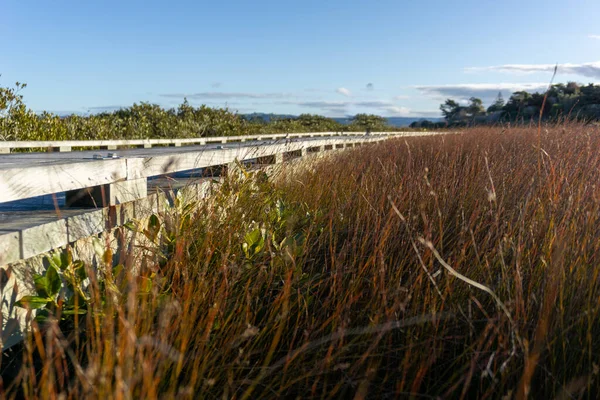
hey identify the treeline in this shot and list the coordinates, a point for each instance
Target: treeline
(150, 121)
(564, 102)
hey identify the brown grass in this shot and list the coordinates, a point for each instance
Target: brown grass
(436, 266)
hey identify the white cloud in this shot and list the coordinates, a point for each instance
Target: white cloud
(401, 97)
(227, 95)
(590, 70)
(597, 37)
(485, 91)
(399, 111)
(385, 108)
(343, 91)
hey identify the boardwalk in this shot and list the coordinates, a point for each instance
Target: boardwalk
(50, 199)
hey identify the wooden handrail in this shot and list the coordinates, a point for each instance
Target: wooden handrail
(68, 145)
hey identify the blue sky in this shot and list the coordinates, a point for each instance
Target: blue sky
(393, 58)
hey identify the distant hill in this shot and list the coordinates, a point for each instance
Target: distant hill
(266, 117)
(392, 121)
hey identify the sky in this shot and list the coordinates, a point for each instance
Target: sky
(328, 57)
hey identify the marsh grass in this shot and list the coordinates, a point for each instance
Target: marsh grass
(435, 266)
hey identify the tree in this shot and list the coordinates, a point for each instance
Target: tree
(572, 88)
(517, 103)
(318, 123)
(498, 104)
(368, 122)
(450, 109)
(475, 107)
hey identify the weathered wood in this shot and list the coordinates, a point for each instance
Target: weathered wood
(21, 181)
(42, 236)
(10, 246)
(28, 175)
(7, 145)
(87, 224)
(29, 233)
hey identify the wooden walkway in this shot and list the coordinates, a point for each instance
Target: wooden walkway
(49, 199)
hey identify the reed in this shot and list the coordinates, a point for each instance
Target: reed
(446, 266)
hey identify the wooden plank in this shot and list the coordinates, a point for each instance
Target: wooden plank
(9, 246)
(47, 178)
(171, 163)
(41, 237)
(87, 224)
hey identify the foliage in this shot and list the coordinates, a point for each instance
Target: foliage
(60, 290)
(450, 109)
(146, 120)
(564, 102)
(457, 114)
(368, 122)
(498, 104)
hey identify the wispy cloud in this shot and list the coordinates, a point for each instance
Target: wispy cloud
(385, 108)
(337, 108)
(591, 69)
(597, 37)
(216, 85)
(344, 92)
(227, 95)
(351, 105)
(485, 91)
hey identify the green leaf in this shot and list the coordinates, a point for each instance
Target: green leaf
(153, 222)
(79, 311)
(130, 225)
(66, 258)
(41, 285)
(53, 281)
(254, 238)
(117, 271)
(79, 270)
(32, 302)
(153, 228)
(42, 316)
(144, 285)
(54, 259)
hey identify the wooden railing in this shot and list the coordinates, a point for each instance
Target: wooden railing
(26, 175)
(68, 145)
